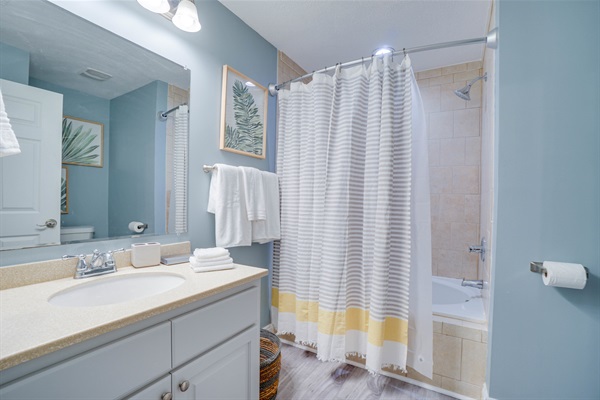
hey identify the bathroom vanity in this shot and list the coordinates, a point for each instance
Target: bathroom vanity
(199, 340)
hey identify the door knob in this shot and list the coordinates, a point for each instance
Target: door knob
(166, 396)
(51, 223)
(183, 386)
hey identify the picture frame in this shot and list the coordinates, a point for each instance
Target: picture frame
(64, 190)
(82, 142)
(243, 115)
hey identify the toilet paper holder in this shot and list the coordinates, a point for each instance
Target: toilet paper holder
(538, 267)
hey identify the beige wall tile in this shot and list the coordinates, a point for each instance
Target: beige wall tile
(463, 235)
(463, 388)
(431, 98)
(440, 80)
(466, 122)
(452, 152)
(474, 65)
(484, 337)
(452, 69)
(475, 93)
(436, 381)
(448, 99)
(440, 179)
(437, 327)
(465, 180)
(429, 73)
(470, 263)
(473, 362)
(441, 234)
(472, 202)
(461, 332)
(452, 207)
(472, 151)
(446, 356)
(449, 263)
(423, 83)
(435, 206)
(441, 125)
(434, 152)
(466, 75)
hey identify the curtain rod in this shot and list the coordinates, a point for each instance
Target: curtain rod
(491, 40)
(163, 114)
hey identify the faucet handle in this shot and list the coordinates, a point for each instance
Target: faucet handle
(109, 260)
(81, 264)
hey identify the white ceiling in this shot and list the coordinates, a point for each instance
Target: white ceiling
(318, 33)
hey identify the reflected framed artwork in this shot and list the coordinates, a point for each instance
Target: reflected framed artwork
(64, 190)
(82, 142)
(243, 114)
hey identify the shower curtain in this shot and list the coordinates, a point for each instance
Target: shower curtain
(352, 271)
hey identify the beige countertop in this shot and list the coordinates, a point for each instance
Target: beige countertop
(31, 327)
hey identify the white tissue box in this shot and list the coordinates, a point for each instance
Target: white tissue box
(145, 254)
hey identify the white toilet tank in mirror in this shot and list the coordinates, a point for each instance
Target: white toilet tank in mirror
(84, 172)
(73, 233)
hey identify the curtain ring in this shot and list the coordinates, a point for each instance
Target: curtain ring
(404, 51)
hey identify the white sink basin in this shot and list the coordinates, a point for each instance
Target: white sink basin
(116, 289)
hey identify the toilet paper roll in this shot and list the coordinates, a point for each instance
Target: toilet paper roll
(137, 227)
(566, 275)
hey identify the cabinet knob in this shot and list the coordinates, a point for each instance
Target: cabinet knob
(183, 386)
(167, 396)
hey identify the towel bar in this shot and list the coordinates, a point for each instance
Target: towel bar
(208, 168)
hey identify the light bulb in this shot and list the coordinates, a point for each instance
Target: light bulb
(186, 17)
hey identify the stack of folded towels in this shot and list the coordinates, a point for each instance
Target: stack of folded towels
(213, 259)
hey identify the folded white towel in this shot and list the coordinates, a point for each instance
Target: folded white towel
(269, 229)
(208, 263)
(213, 252)
(254, 193)
(213, 268)
(9, 144)
(226, 200)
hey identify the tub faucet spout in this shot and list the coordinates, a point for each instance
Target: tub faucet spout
(476, 283)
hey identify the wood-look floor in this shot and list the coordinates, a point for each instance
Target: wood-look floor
(303, 377)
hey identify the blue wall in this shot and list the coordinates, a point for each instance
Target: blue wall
(545, 341)
(136, 136)
(88, 186)
(14, 64)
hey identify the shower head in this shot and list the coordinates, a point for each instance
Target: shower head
(463, 93)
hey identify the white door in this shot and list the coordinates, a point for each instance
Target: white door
(30, 181)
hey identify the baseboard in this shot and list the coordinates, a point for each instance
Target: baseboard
(484, 393)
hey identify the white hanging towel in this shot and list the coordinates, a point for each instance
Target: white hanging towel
(226, 200)
(9, 144)
(267, 230)
(255, 193)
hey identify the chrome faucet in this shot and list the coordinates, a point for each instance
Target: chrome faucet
(100, 264)
(476, 283)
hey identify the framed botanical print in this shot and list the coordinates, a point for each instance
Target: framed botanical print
(82, 142)
(64, 191)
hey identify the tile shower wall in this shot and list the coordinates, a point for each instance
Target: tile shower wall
(287, 69)
(454, 129)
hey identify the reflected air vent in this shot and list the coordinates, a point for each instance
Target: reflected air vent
(95, 74)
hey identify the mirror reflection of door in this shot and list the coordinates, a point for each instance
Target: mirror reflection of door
(30, 186)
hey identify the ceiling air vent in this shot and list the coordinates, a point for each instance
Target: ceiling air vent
(95, 74)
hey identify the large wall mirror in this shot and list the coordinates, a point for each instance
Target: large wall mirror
(109, 154)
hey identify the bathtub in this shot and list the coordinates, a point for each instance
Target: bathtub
(451, 300)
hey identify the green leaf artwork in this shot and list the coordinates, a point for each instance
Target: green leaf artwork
(79, 144)
(247, 135)
(63, 195)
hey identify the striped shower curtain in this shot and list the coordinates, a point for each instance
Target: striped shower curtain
(342, 270)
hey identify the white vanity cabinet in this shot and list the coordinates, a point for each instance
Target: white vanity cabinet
(208, 350)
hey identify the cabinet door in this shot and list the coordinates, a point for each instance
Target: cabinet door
(108, 372)
(230, 371)
(157, 391)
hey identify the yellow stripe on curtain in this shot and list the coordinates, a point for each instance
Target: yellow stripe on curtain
(339, 322)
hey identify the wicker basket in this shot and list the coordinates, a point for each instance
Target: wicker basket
(270, 364)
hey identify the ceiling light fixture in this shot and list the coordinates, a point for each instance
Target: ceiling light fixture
(186, 14)
(186, 17)
(383, 50)
(156, 6)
